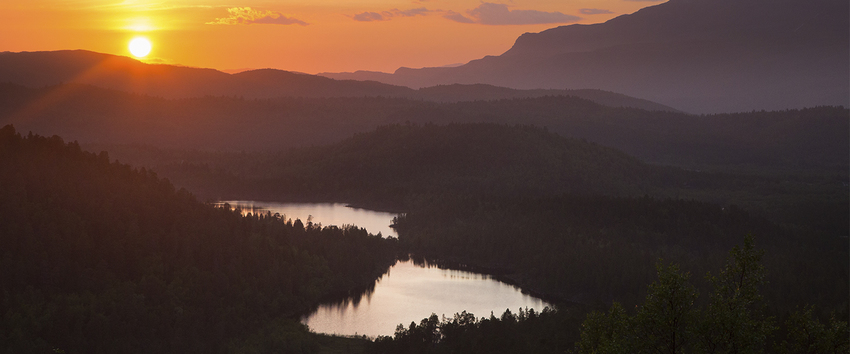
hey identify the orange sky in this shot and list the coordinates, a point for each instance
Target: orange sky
(298, 35)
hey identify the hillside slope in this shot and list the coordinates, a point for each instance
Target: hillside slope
(98, 257)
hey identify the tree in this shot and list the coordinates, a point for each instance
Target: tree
(734, 321)
(668, 322)
(807, 335)
(603, 334)
(664, 324)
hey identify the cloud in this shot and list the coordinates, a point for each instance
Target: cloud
(457, 17)
(499, 14)
(247, 16)
(594, 11)
(369, 16)
(412, 12)
(485, 14)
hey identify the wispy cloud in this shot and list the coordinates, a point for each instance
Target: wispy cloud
(457, 17)
(485, 14)
(499, 14)
(247, 16)
(412, 12)
(369, 16)
(594, 11)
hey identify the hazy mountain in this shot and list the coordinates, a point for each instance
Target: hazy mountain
(476, 92)
(39, 69)
(796, 139)
(695, 55)
(462, 158)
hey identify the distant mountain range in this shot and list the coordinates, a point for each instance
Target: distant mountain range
(813, 138)
(40, 69)
(700, 56)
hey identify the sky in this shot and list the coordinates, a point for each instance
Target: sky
(297, 35)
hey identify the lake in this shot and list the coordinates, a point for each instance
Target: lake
(409, 293)
(327, 214)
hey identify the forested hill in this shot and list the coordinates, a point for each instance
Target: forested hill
(98, 257)
(394, 163)
(808, 139)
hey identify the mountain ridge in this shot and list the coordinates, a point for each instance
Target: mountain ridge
(697, 55)
(40, 69)
(813, 138)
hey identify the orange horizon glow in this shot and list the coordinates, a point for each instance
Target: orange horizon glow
(303, 36)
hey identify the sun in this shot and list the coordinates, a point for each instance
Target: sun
(140, 47)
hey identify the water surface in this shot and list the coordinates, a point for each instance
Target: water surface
(410, 293)
(326, 214)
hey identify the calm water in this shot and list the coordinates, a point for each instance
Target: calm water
(407, 292)
(410, 293)
(325, 213)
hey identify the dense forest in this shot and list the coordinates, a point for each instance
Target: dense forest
(394, 166)
(595, 249)
(100, 257)
(595, 220)
(674, 317)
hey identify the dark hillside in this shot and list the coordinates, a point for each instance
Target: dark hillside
(395, 163)
(98, 257)
(597, 249)
(806, 139)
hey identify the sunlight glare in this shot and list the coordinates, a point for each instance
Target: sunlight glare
(140, 47)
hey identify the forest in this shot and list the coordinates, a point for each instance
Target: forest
(101, 257)
(596, 220)
(96, 249)
(673, 318)
(395, 166)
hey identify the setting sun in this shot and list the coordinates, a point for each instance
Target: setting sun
(140, 47)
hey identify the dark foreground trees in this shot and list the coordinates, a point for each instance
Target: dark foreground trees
(733, 321)
(672, 319)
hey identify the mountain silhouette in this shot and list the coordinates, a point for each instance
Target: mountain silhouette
(700, 56)
(43, 69)
(812, 138)
(39, 69)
